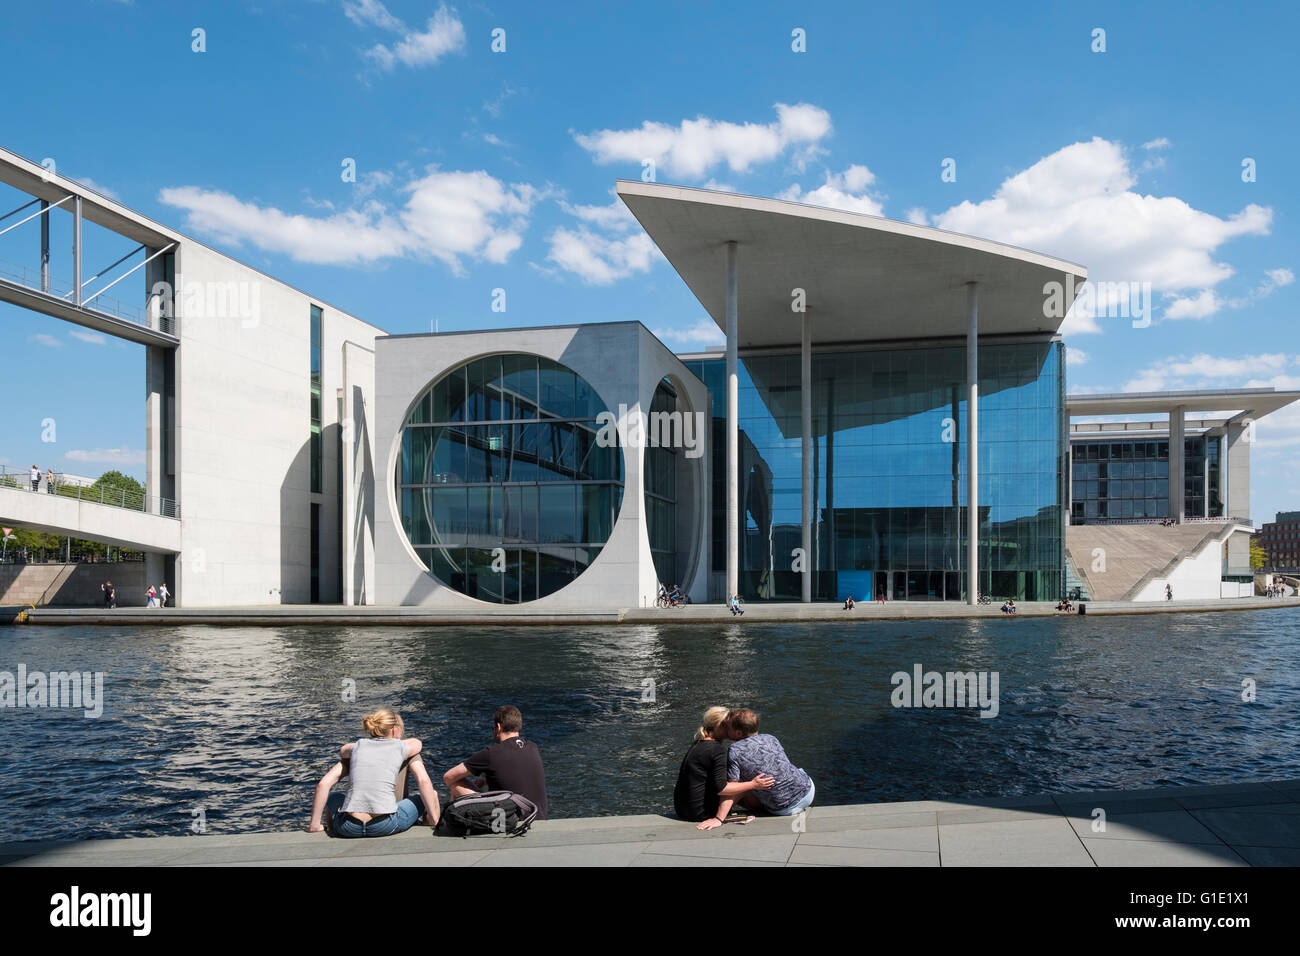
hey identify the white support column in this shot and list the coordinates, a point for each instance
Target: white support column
(972, 447)
(1176, 466)
(1205, 480)
(805, 408)
(76, 250)
(733, 427)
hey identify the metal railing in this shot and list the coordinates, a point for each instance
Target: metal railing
(30, 278)
(1198, 520)
(96, 494)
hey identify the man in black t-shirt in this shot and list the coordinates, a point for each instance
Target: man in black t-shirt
(511, 763)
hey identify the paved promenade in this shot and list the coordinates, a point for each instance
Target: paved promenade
(281, 614)
(1255, 824)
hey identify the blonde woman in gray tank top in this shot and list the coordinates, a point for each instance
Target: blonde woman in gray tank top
(371, 806)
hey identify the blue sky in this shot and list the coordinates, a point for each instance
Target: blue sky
(478, 170)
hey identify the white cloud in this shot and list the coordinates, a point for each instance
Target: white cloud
(495, 105)
(1079, 204)
(703, 333)
(42, 338)
(846, 191)
(1075, 356)
(443, 34)
(372, 181)
(372, 13)
(1273, 280)
(94, 338)
(110, 456)
(1205, 371)
(607, 246)
(598, 259)
(1161, 142)
(96, 187)
(446, 215)
(918, 217)
(695, 147)
(1208, 303)
(1200, 306)
(614, 216)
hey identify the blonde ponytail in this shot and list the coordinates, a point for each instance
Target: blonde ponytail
(712, 717)
(381, 722)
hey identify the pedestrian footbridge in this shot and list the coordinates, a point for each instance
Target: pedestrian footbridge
(111, 515)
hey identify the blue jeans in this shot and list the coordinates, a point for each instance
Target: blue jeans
(803, 803)
(408, 812)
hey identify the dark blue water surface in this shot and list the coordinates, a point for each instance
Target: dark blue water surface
(241, 722)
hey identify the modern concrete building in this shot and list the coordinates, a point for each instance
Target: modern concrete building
(1280, 539)
(888, 419)
(242, 380)
(1125, 467)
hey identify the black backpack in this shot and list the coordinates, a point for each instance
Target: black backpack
(497, 811)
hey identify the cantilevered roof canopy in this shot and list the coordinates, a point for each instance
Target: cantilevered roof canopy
(865, 278)
(1253, 403)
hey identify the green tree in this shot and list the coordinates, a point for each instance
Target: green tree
(118, 487)
(1258, 556)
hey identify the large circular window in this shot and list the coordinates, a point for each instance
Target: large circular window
(507, 485)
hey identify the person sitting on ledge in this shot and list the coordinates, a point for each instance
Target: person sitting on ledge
(511, 763)
(374, 766)
(1009, 607)
(752, 755)
(702, 793)
(1064, 604)
(849, 603)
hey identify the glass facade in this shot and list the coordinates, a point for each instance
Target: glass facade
(661, 495)
(1129, 479)
(316, 450)
(505, 492)
(889, 472)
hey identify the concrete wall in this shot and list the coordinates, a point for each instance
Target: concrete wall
(358, 446)
(624, 364)
(1196, 577)
(242, 435)
(73, 584)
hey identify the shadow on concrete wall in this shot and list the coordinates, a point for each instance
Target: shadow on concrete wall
(72, 585)
(363, 519)
(294, 586)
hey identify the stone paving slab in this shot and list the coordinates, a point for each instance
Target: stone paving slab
(1239, 827)
(1256, 824)
(1152, 853)
(1169, 826)
(1041, 842)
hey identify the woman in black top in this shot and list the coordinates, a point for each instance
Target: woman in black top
(702, 792)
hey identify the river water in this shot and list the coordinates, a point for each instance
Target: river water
(236, 725)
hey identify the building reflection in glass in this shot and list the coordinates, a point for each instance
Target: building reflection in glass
(890, 475)
(505, 492)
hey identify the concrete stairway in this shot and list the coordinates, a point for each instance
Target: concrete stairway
(1134, 553)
